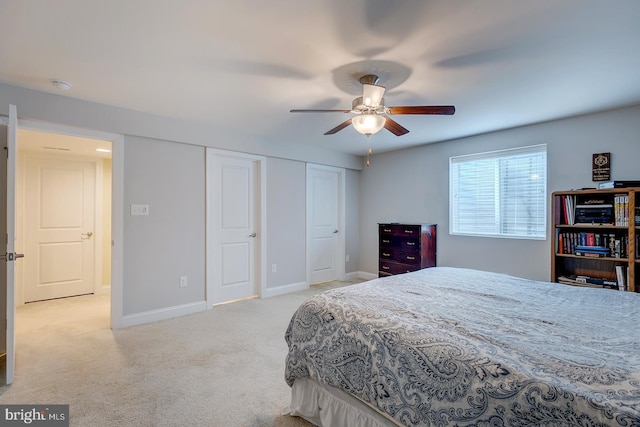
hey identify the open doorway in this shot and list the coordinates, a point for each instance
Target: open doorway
(64, 206)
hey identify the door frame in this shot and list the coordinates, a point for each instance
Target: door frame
(261, 258)
(340, 249)
(117, 202)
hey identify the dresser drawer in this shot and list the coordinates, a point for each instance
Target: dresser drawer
(391, 267)
(388, 241)
(400, 255)
(407, 230)
(387, 253)
(409, 243)
(408, 257)
(385, 229)
(406, 243)
(399, 230)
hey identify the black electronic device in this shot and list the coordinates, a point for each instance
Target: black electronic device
(594, 214)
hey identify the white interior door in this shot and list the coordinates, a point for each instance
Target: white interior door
(235, 226)
(10, 256)
(324, 221)
(59, 227)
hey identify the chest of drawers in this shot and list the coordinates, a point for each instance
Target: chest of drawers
(406, 247)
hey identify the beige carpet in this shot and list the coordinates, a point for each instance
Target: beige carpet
(224, 367)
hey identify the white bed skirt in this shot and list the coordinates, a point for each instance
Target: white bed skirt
(326, 406)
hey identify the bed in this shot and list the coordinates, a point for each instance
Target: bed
(449, 346)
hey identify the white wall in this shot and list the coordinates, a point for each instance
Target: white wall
(412, 186)
(90, 115)
(170, 241)
(352, 219)
(286, 229)
(164, 167)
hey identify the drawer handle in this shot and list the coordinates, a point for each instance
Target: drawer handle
(384, 267)
(386, 230)
(385, 241)
(411, 243)
(385, 254)
(408, 231)
(411, 257)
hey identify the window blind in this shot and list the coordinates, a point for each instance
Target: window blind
(499, 194)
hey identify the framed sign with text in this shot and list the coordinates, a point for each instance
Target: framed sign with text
(601, 167)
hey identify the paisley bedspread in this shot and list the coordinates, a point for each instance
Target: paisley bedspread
(448, 346)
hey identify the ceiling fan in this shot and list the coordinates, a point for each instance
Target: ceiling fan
(371, 115)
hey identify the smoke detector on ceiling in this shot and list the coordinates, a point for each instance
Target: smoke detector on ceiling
(62, 85)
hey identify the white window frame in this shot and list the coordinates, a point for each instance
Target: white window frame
(505, 222)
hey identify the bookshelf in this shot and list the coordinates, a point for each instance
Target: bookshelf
(595, 237)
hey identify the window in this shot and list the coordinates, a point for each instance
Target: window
(499, 194)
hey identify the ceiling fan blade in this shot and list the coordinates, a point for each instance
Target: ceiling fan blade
(339, 127)
(423, 109)
(394, 127)
(319, 111)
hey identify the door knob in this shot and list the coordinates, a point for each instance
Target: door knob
(253, 235)
(335, 231)
(86, 235)
(11, 256)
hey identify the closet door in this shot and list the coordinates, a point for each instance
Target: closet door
(325, 213)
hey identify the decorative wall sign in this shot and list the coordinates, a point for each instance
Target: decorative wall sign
(601, 167)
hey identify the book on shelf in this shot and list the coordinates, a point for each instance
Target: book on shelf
(588, 282)
(594, 249)
(622, 277)
(618, 184)
(621, 209)
(591, 254)
(569, 209)
(602, 244)
(609, 244)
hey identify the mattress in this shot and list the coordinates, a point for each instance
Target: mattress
(448, 346)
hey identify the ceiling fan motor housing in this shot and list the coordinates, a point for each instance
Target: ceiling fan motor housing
(369, 79)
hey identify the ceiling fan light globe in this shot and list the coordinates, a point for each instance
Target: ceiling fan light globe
(368, 124)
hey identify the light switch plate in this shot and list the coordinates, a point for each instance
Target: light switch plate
(139, 209)
(184, 281)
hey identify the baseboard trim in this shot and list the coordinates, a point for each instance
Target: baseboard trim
(351, 276)
(163, 314)
(366, 276)
(284, 289)
(104, 290)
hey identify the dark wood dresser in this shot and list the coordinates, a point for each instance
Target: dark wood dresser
(406, 247)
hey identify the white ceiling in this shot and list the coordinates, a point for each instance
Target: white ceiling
(241, 65)
(45, 142)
